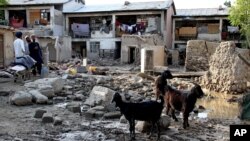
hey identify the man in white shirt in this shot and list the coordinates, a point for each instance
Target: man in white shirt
(19, 48)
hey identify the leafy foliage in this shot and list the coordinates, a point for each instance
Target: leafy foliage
(3, 2)
(240, 16)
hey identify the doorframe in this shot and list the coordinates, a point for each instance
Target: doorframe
(3, 50)
(129, 54)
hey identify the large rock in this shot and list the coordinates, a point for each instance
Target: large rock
(100, 96)
(21, 98)
(244, 107)
(38, 97)
(144, 126)
(56, 83)
(46, 90)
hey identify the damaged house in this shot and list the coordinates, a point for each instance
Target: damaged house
(40, 17)
(208, 24)
(120, 30)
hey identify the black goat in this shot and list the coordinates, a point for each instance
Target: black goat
(182, 101)
(161, 82)
(145, 111)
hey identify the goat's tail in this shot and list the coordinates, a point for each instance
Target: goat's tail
(162, 100)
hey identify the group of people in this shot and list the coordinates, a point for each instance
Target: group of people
(32, 49)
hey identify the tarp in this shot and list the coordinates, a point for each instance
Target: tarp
(80, 29)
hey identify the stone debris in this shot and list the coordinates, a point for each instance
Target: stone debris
(123, 119)
(95, 112)
(74, 107)
(112, 115)
(228, 73)
(5, 92)
(56, 84)
(21, 98)
(39, 113)
(100, 96)
(37, 97)
(57, 121)
(144, 126)
(47, 118)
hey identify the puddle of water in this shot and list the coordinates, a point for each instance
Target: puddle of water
(203, 115)
(218, 107)
(61, 105)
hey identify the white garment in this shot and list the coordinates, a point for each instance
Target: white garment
(19, 47)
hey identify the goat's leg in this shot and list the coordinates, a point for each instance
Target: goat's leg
(131, 129)
(152, 129)
(173, 114)
(185, 119)
(167, 109)
(159, 130)
(133, 121)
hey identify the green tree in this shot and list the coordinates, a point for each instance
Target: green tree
(239, 15)
(3, 2)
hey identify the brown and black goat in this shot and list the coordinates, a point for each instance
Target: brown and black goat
(183, 101)
(144, 111)
(161, 83)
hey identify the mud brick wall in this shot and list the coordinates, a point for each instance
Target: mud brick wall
(198, 53)
(228, 73)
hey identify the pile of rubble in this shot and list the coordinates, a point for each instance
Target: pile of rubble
(228, 72)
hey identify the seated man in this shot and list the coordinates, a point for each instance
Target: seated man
(19, 50)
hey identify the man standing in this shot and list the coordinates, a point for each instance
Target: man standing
(19, 48)
(26, 45)
(36, 54)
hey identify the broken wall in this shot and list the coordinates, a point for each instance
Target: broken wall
(64, 49)
(198, 53)
(228, 73)
(145, 41)
(58, 23)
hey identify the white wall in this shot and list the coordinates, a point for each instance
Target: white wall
(58, 23)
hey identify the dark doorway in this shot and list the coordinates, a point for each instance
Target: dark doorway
(117, 50)
(131, 55)
(83, 51)
(1, 52)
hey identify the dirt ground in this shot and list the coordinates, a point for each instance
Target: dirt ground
(18, 123)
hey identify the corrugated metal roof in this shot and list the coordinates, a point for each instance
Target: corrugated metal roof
(156, 5)
(36, 2)
(202, 12)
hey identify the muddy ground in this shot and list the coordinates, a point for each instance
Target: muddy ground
(18, 123)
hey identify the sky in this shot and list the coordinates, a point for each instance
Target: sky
(179, 4)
